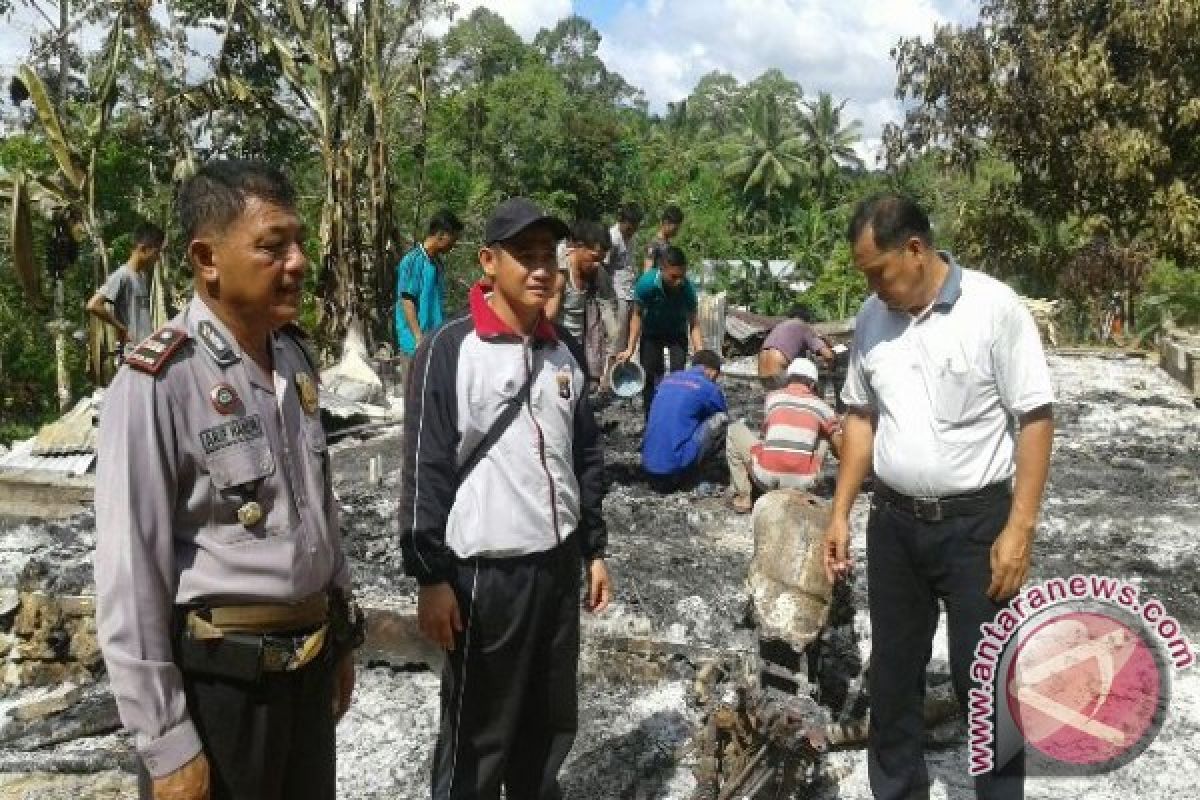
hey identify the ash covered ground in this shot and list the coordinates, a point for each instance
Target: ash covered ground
(1122, 501)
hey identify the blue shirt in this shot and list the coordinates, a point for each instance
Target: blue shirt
(420, 279)
(683, 402)
(665, 314)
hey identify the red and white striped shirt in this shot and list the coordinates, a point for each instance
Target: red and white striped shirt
(796, 419)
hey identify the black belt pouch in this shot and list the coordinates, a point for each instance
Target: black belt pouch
(235, 656)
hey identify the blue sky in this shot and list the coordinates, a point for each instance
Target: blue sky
(664, 46)
(600, 12)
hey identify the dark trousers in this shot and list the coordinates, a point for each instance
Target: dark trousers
(509, 704)
(911, 564)
(654, 366)
(272, 739)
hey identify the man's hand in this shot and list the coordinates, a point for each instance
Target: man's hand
(1011, 553)
(837, 548)
(437, 614)
(343, 686)
(189, 782)
(599, 586)
(623, 356)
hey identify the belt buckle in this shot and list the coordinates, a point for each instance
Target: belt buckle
(928, 509)
(276, 654)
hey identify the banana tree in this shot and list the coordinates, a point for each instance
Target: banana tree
(27, 194)
(75, 145)
(75, 151)
(331, 56)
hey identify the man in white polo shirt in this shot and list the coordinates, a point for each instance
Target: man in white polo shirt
(950, 402)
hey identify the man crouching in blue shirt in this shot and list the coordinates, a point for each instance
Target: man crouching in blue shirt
(687, 422)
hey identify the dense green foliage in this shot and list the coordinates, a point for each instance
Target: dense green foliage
(1054, 144)
(1094, 105)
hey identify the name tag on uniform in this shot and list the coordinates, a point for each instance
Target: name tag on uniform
(236, 431)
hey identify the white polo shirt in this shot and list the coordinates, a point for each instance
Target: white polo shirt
(948, 384)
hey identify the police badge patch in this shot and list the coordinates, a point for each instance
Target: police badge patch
(224, 398)
(306, 388)
(564, 383)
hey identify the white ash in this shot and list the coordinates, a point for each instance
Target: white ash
(1121, 501)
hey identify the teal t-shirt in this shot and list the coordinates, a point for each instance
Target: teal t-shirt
(419, 278)
(665, 313)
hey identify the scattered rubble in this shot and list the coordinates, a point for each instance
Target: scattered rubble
(1179, 351)
(1121, 501)
(1045, 316)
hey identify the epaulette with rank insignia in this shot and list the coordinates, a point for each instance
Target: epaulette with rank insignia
(156, 349)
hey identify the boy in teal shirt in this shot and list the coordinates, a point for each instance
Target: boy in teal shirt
(664, 316)
(421, 283)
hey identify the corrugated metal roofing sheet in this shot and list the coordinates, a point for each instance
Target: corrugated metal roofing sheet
(22, 459)
(72, 433)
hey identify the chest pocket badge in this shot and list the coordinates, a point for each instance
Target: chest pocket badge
(238, 459)
(564, 384)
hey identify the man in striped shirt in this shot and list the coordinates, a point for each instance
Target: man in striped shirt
(798, 430)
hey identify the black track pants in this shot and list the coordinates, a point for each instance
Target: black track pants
(509, 705)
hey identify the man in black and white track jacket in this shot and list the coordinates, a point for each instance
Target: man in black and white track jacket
(499, 512)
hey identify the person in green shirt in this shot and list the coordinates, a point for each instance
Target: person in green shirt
(664, 318)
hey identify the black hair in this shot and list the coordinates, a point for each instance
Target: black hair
(706, 358)
(216, 195)
(672, 214)
(893, 219)
(630, 213)
(444, 221)
(674, 257)
(592, 234)
(148, 234)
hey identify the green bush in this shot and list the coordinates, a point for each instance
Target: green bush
(1170, 291)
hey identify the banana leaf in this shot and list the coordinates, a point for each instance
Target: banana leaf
(21, 238)
(67, 160)
(107, 96)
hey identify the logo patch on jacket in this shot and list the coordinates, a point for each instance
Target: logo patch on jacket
(236, 431)
(564, 383)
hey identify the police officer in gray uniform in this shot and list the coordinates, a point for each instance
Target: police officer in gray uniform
(223, 605)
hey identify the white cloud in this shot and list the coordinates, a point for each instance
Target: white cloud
(843, 47)
(526, 17)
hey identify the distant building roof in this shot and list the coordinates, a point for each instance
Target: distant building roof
(743, 326)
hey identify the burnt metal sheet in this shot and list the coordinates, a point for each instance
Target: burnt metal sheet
(72, 433)
(21, 458)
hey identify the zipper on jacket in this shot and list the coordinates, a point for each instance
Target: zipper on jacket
(541, 440)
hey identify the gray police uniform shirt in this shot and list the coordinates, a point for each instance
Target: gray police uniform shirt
(180, 452)
(948, 384)
(129, 292)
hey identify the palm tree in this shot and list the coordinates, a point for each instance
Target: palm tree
(768, 154)
(829, 145)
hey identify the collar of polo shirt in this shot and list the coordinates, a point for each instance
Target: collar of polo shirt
(951, 287)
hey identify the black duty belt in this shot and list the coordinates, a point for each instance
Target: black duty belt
(935, 509)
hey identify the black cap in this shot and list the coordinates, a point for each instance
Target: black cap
(515, 215)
